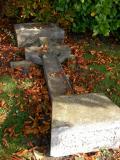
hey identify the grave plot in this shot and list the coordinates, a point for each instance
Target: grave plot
(80, 123)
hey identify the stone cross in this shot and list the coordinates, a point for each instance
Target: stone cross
(80, 123)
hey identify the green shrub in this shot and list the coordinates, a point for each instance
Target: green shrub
(98, 16)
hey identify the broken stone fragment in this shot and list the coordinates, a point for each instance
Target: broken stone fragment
(24, 64)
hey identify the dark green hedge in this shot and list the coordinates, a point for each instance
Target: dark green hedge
(98, 16)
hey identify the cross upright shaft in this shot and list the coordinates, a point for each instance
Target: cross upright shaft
(57, 82)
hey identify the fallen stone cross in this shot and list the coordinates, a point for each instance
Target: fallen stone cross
(80, 123)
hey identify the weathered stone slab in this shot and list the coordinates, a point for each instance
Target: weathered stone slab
(28, 33)
(84, 123)
(24, 64)
(55, 78)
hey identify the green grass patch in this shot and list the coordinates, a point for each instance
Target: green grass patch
(101, 68)
(110, 88)
(14, 116)
(109, 85)
(9, 85)
(108, 48)
(88, 56)
(27, 83)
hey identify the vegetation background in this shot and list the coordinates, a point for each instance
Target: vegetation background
(99, 16)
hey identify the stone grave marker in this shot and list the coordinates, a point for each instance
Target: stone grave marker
(80, 123)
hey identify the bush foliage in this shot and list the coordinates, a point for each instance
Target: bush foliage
(99, 16)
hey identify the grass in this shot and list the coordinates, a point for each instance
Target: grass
(109, 85)
(13, 116)
(107, 47)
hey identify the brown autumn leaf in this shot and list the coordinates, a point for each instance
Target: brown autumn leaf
(79, 89)
(30, 144)
(30, 130)
(92, 52)
(1, 91)
(84, 67)
(2, 103)
(16, 158)
(118, 82)
(4, 142)
(21, 153)
(27, 122)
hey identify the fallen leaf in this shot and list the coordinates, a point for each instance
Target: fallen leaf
(79, 89)
(2, 103)
(21, 153)
(4, 142)
(16, 158)
(1, 91)
(30, 130)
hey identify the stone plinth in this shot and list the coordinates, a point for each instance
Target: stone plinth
(28, 34)
(84, 123)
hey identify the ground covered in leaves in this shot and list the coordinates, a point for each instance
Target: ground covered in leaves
(25, 109)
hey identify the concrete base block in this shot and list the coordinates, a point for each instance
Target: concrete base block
(84, 123)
